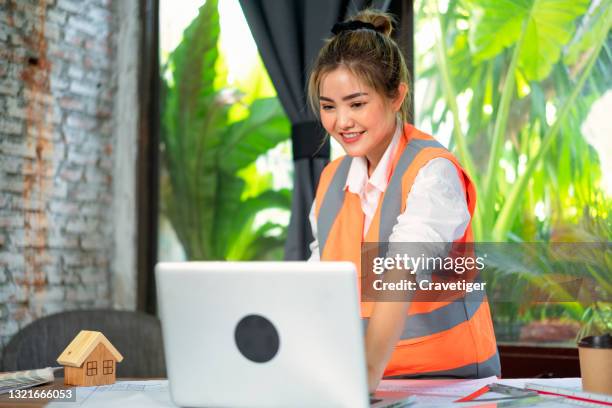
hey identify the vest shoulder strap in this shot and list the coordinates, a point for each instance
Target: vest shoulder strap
(392, 200)
(333, 198)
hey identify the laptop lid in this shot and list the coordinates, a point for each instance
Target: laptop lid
(262, 334)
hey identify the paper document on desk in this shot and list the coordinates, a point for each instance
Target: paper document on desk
(436, 392)
(443, 393)
(133, 394)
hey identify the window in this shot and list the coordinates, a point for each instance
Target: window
(107, 367)
(92, 368)
(254, 173)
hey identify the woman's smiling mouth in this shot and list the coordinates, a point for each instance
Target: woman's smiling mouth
(351, 137)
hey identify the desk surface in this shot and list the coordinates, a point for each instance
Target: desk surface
(58, 384)
(427, 391)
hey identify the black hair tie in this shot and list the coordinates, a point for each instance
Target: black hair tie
(351, 26)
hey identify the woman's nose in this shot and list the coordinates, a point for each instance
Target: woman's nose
(344, 120)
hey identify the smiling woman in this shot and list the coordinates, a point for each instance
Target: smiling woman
(359, 87)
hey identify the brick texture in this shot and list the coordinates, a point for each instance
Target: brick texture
(57, 88)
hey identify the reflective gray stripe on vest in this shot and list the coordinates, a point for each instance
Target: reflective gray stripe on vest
(443, 318)
(332, 203)
(487, 368)
(392, 201)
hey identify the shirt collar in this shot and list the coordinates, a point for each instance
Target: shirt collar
(357, 177)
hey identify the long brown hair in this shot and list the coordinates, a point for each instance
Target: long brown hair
(370, 55)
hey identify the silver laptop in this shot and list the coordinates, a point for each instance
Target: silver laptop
(264, 334)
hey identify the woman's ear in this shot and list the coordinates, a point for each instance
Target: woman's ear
(402, 90)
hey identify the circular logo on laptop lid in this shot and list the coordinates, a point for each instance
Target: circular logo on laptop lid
(257, 338)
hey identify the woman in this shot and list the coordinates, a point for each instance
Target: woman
(396, 184)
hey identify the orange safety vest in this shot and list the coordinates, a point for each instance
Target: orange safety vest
(453, 339)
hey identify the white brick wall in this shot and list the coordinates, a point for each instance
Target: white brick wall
(57, 93)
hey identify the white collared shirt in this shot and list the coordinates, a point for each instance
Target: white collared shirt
(436, 208)
(370, 189)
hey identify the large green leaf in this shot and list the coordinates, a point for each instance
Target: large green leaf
(191, 118)
(239, 219)
(269, 199)
(264, 128)
(495, 25)
(258, 244)
(202, 188)
(547, 24)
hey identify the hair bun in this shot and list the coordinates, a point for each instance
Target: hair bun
(382, 22)
(350, 26)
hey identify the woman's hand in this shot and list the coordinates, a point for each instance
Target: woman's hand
(373, 380)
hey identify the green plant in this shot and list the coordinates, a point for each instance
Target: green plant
(211, 191)
(562, 281)
(530, 78)
(516, 79)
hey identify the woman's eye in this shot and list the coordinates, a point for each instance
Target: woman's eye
(327, 107)
(357, 105)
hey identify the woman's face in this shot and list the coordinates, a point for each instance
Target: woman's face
(359, 118)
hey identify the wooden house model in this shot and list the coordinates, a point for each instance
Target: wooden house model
(89, 359)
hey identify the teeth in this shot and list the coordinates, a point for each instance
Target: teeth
(351, 135)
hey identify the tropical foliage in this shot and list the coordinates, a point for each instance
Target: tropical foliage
(515, 79)
(530, 70)
(560, 281)
(211, 138)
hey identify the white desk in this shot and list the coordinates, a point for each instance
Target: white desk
(429, 393)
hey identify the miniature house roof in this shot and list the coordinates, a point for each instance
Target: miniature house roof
(81, 347)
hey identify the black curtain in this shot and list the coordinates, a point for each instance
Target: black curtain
(289, 35)
(147, 165)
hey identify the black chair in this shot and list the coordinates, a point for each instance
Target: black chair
(136, 335)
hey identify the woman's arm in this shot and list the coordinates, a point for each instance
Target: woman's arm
(384, 329)
(436, 211)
